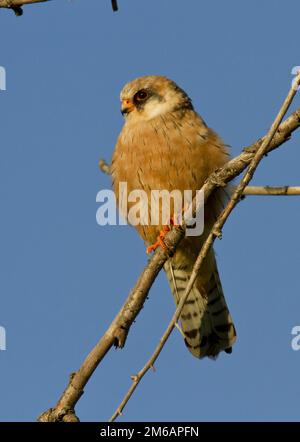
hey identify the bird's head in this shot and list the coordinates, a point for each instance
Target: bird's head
(148, 97)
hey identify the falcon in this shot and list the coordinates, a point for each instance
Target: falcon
(165, 145)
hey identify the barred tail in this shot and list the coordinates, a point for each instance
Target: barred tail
(205, 320)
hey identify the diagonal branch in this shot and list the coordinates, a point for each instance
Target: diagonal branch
(215, 232)
(118, 330)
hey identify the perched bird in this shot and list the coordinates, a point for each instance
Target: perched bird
(165, 144)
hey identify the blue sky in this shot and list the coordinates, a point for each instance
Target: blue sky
(63, 277)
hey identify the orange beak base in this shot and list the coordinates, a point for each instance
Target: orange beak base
(127, 106)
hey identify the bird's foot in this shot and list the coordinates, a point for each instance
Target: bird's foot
(159, 241)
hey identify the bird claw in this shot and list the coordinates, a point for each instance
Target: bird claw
(160, 241)
(174, 221)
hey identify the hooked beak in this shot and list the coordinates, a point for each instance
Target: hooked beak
(127, 106)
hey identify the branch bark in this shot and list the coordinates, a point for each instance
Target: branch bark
(117, 332)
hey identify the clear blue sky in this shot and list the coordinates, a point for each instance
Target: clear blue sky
(63, 278)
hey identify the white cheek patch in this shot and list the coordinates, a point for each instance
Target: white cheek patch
(154, 107)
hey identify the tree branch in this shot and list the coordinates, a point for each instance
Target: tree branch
(16, 5)
(215, 232)
(272, 191)
(249, 190)
(117, 332)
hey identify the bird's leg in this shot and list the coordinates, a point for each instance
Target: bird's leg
(160, 239)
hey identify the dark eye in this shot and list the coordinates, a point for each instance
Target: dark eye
(141, 95)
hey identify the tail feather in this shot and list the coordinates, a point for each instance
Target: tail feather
(205, 320)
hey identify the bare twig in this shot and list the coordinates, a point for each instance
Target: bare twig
(272, 191)
(10, 3)
(215, 232)
(117, 331)
(114, 5)
(16, 5)
(104, 167)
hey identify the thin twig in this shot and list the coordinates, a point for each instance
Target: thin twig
(215, 232)
(114, 5)
(104, 167)
(272, 191)
(16, 5)
(10, 3)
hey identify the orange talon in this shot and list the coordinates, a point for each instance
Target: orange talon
(160, 241)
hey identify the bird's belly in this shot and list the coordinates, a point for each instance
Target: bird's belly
(156, 158)
(164, 180)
